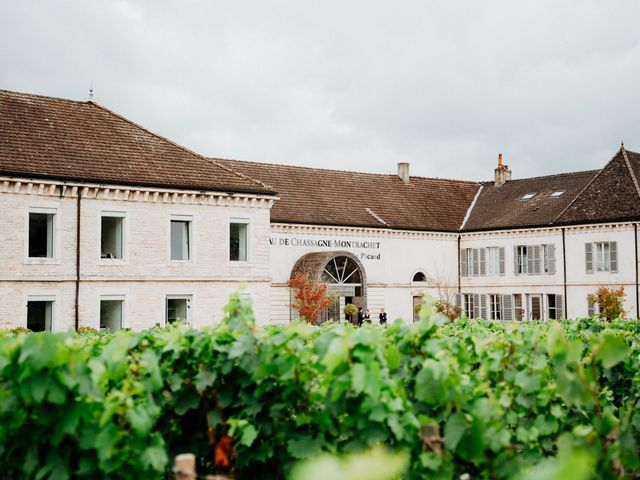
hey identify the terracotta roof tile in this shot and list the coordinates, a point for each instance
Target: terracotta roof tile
(504, 206)
(612, 194)
(333, 197)
(45, 137)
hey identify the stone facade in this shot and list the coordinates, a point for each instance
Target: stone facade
(146, 275)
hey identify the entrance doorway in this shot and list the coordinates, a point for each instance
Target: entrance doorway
(344, 276)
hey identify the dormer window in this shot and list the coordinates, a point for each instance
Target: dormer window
(528, 196)
(557, 193)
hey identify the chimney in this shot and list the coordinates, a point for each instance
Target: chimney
(403, 172)
(503, 174)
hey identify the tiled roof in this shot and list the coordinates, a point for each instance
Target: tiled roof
(332, 197)
(504, 207)
(44, 137)
(612, 195)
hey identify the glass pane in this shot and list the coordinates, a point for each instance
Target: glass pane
(41, 235)
(238, 242)
(111, 237)
(39, 316)
(111, 315)
(177, 309)
(179, 240)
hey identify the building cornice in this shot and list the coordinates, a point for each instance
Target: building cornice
(303, 229)
(555, 230)
(61, 189)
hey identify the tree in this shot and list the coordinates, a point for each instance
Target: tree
(611, 301)
(349, 311)
(310, 296)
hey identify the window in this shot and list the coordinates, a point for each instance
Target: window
(493, 266)
(111, 313)
(111, 235)
(469, 262)
(551, 307)
(557, 193)
(39, 314)
(181, 238)
(518, 307)
(549, 258)
(420, 277)
(528, 196)
(468, 305)
(495, 307)
(238, 241)
(521, 260)
(41, 233)
(178, 309)
(554, 307)
(593, 307)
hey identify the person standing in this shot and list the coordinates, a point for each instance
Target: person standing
(367, 316)
(360, 316)
(383, 317)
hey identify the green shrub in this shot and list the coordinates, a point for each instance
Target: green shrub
(487, 399)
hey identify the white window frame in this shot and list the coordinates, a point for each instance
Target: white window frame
(191, 245)
(495, 307)
(41, 298)
(522, 308)
(468, 305)
(244, 221)
(522, 259)
(55, 235)
(602, 256)
(125, 245)
(116, 297)
(493, 265)
(187, 297)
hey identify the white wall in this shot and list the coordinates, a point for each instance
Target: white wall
(146, 275)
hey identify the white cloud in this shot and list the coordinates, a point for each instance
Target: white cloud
(359, 85)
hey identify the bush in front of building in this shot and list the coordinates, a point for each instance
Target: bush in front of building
(477, 398)
(611, 302)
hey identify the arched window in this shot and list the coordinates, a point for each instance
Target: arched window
(420, 277)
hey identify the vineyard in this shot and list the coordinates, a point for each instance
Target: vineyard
(470, 398)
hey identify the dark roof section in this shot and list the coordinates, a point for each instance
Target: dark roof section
(612, 195)
(503, 207)
(45, 137)
(333, 197)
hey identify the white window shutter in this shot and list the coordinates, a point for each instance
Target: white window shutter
(515, 260)
(463, 262)
(588, 253)
(458, 300)
(550, 258)
(483, 306)
(613, 252)
(591, 310)
(483, 261)
(501, 260)
(507, 308)
(476, 305)
(536, 259)
(530, 268)
(476, 260)
(559, 307)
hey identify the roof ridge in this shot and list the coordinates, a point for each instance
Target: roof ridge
(579, 172)
(633, 175)
(585, 187)
(342, 171)
(48, 97)
(181, 147)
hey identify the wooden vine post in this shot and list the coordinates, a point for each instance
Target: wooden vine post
(184, 466)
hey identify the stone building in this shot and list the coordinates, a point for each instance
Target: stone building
(106, 224)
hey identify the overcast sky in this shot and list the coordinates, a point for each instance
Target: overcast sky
(358, 85)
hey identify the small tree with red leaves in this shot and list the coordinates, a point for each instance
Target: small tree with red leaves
(310, 296)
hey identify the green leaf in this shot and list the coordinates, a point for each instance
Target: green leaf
(358, 377)
(140, 420)
(304, 447)
(612, 351)
(337, 353)
(454, 429)
(155, 457)
(249, 434)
